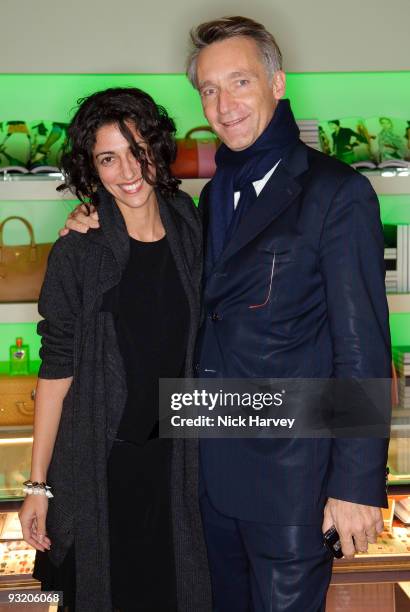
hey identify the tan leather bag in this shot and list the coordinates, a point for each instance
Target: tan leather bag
(17, 400)
(22, 267)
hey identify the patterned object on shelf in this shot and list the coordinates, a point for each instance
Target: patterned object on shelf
(394, 542)
(34, 146)
(16, 557)
(375, 142)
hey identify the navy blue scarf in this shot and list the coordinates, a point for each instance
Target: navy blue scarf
(236, 171)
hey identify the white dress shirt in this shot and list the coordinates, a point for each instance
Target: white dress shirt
(259, 185)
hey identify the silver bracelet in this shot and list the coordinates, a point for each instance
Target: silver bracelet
(37, 488)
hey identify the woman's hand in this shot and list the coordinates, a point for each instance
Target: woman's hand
(32, 517)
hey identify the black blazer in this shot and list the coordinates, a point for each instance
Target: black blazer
(298, 293)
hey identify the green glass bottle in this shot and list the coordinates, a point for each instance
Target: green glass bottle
(19, 358)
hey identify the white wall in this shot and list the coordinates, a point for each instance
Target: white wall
(148, 36)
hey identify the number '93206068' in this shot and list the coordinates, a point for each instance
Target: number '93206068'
(27, 597)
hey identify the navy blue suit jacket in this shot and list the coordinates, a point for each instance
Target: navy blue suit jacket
(298, 292)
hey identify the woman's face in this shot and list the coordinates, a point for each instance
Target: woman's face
(117, 168)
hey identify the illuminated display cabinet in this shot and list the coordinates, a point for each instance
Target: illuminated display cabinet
(319, 96)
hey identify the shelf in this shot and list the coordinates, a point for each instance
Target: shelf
(398, 302)
(398, 413)
(32, 189)
(45, 189)
(21, 312)
(193, 186)
(33, 371)
(399, 184)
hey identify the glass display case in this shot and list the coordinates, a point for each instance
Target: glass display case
(16, 557)
(378, 597)
(15, 454)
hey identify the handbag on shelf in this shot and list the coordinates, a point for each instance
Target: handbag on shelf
(22, 267)
(196, 156)
(17, 400)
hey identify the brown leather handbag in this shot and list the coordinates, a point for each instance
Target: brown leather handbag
(17, 400)
(22, 267)
(195, 156)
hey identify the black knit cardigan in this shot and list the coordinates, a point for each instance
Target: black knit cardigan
(80, 341)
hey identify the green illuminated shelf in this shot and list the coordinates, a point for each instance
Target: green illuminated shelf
(33, 369)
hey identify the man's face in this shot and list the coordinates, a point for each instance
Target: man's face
(237, 95)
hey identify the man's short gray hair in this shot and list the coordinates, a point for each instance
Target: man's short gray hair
(227, 27)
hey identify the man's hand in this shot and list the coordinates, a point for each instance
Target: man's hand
(363, 523)
(80, 221)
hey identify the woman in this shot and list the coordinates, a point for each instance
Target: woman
(390, 143)
(121, 309)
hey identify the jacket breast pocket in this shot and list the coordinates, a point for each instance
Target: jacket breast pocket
(271, 262)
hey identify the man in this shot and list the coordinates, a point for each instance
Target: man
(344, 141)
(294, 287)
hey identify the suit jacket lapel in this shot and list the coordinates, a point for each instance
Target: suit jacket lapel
(277, 195)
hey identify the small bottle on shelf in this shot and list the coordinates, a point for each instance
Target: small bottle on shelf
(19, 358)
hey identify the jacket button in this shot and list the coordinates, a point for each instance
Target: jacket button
(215, 316)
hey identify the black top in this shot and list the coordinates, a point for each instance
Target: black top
(152, 319)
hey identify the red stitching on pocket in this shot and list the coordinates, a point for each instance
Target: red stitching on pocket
(270, 288)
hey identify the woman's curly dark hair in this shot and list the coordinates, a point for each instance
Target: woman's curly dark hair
(119, 106)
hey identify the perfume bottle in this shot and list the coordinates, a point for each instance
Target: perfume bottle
(19, 358)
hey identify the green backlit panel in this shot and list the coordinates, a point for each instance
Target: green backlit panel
(319, 95)
(46, 218)
(346, 94)
(8, 334)
(313, 95)
(400, 328)
(55, 96)
(395, 208)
